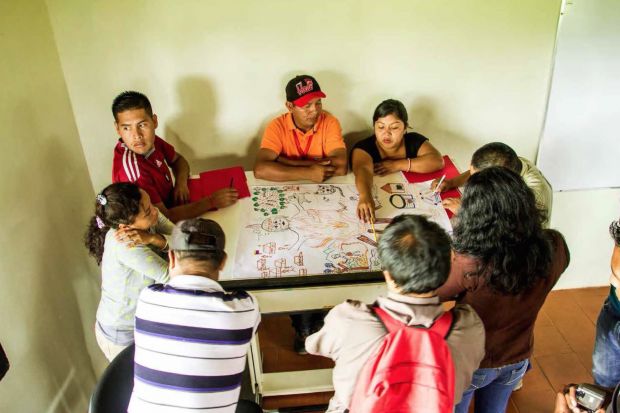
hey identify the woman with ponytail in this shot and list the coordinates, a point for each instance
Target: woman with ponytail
(126, 237)
(504, 264)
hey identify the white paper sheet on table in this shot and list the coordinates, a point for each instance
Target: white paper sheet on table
(304, 229)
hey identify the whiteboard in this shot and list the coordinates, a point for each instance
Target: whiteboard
(580, 145)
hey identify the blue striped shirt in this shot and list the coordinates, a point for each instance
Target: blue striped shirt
(191, 344)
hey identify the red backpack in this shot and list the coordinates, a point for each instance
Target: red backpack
(412, 371)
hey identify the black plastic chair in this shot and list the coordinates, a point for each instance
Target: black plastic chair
(614, 406)
(113, 391)
(114, 388)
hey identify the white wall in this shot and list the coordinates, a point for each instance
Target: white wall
(584, 99)
(584, 217)
(468, 71)
(49, 287)
(215, 71)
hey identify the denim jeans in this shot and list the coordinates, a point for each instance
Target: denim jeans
(606, 355)
(491, 388)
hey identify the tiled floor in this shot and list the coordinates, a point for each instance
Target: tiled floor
(563, 342)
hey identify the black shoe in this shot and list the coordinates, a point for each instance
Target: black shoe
(316, 326)
(299, 344)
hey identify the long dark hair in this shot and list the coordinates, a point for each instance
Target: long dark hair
(500, 225)
(117, 204)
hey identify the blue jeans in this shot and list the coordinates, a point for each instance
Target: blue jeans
(492, 388)
(606, 355)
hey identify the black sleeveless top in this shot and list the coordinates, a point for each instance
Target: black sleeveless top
(413, 141)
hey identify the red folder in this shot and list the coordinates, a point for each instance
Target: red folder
(210, 181)
(449, 170)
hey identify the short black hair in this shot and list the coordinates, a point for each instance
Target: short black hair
(496, 154)
(391, 107)
(211, 258)
(416, 253)
(129, 100)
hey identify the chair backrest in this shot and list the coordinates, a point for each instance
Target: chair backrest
(614, 406)
(114, 388)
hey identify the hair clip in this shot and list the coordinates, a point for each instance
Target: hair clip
(100, 223)
(102, 199)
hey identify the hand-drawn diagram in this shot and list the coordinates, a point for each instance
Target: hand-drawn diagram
(296, 230)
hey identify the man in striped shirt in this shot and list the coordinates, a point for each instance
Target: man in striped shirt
(191, 336)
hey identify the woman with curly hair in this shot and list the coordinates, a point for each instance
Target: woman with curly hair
(126, 237)
(606, 355)
(504, 265)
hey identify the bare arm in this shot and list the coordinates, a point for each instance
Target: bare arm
(338, 158)
(362, 166)
(268, 167)
(219, 199)
(428, 159)
(297, 162)
(452, 183)
(180, 169)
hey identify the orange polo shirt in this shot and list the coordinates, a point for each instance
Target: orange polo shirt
(283, 137)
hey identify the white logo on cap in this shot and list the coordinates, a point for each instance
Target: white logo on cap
(303, 89)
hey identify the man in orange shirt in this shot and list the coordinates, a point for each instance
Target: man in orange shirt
(305, 143)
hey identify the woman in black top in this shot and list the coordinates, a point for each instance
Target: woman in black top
(389, 150)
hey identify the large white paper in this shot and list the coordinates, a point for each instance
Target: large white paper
(297, 230)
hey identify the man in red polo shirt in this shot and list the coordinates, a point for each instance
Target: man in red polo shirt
(305, 143)
(144, 158)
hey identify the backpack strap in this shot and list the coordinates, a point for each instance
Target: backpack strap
(390, 323)
(441, 326)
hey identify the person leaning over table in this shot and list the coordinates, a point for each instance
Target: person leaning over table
(415, 253)
(304, 144)
(390, 149)
(500, 154)
(503, 264)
